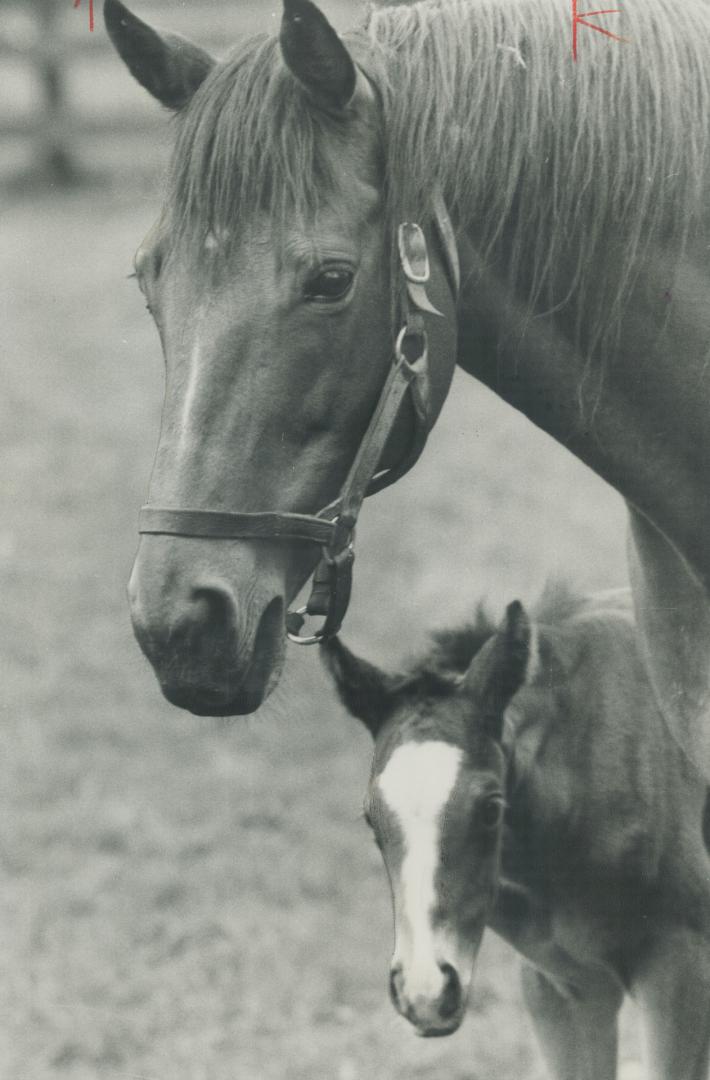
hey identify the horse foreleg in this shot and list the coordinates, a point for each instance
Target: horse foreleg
(673, 992)
(576, 1029)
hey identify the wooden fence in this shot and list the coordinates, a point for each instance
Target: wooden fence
(63, 87)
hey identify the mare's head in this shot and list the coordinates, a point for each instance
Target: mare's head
(268, 276)
(435, 803)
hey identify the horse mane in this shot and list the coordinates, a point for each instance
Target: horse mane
(548, 165)
(452, 650)
(437, 671)
(250, 139)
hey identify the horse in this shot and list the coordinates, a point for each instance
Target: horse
(524, 779)
(345, 221)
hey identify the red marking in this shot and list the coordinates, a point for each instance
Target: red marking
(579, 19)
(77, 3)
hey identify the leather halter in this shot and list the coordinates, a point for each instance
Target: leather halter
(333, 527)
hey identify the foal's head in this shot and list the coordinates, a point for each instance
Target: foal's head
(435, 804)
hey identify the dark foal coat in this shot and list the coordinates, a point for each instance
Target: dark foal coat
(605, 826)
(603, 877)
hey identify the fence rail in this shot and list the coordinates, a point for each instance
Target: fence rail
(211, 22)
(63, 85)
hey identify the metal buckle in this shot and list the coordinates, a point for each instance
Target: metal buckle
(314, 639)
(342, 540)
(339, 559)
(345, 555)
(413, 253)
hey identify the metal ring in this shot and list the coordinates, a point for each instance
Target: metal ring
(345, 554)
(314, 639)
(404, 332)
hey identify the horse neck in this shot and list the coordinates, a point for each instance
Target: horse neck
(531, 360)
(543, 768)
(629, 278)
(520, 914)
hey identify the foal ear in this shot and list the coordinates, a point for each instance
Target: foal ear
(500, 669)
(362, 687)
(314, 53)
(168, 66)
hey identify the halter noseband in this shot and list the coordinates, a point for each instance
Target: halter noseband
(333, 527)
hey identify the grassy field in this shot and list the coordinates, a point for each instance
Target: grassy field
(186, 899)
(193, 900)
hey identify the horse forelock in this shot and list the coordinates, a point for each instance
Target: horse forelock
(250, 141)
(434, 677)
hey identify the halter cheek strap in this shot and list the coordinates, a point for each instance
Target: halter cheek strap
(333, 527)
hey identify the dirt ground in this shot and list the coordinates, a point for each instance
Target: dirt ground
(195, 900)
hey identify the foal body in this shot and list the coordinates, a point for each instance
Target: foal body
(597, 871)
(605, 876)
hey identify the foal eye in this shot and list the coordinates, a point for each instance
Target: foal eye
(329, 285)
(491, 812)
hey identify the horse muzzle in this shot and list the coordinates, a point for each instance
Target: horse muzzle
(217, 649)
(433, 1012)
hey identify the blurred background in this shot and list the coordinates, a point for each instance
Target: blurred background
(186, 899)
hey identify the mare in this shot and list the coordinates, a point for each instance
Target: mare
(579, 197)
(524, 779)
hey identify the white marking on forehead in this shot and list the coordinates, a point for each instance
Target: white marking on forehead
(418, 779)
(416, 785)
(193, 379)
(190, 394)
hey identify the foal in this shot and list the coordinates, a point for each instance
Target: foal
(524, 779)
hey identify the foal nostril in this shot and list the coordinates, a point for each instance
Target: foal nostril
(450, 1000)
(395, 978)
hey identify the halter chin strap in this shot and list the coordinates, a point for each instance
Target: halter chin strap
(333, 527)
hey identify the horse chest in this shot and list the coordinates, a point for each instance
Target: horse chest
(562, 940)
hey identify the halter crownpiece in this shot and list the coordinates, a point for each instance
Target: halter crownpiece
(333, 527)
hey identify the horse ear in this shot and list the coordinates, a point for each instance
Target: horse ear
(501, 667)
(314, 53)
(362, 687)
(169, 67)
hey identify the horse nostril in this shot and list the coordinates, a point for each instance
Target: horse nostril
(450, 1000)
(213, 605)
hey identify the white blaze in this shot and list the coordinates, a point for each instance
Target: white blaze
(416, 785)
(192, 385)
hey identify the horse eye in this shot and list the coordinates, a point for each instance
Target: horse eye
(329, 285)
(491, 812)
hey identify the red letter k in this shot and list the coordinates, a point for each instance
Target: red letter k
(579, 19)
